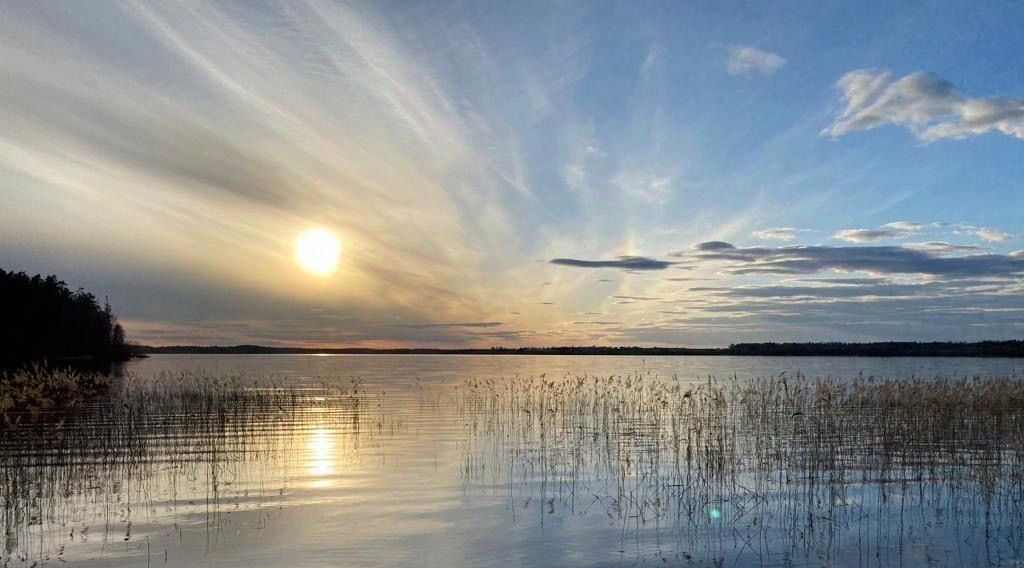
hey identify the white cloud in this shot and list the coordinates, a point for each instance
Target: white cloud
(778, 234)
(924, 103)
(990, 235)
(745, 60)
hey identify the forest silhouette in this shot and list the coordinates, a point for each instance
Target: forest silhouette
(44, 319)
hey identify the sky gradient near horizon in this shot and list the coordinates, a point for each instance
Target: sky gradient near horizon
(641, 173)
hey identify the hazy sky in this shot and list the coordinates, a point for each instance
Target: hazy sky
(507, 173)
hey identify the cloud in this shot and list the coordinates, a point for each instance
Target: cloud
(623, 262)
(895, 230)
(845, 281)
(943, 247)
(470, 324)
(746, 60)
(926, 104)
(866, 235)
(712, 246)
(874, 259)
(904, 229)
(990, 235)
(778, 234)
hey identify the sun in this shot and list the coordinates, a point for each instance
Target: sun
(317, 251)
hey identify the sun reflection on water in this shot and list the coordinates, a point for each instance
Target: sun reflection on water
(320, 451)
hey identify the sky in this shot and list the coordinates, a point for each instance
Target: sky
(518, 173)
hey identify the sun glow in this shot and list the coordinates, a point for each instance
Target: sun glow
(317, 251)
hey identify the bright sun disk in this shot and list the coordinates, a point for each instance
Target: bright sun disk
(317, 251)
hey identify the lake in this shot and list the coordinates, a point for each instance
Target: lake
(440, 460)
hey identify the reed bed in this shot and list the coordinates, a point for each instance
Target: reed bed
(785, 459)
(26, 394)
(155, 440)
(779, 465)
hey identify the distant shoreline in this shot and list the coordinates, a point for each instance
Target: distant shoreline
(1011, 349)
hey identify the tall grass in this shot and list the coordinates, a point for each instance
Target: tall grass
(26, 394)
(780, 459)
(157, 439)
(728, 466)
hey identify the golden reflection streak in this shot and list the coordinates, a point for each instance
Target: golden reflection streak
(320, 452)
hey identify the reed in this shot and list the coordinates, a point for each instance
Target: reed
(158, 438)
(28, 393)
(783, 459)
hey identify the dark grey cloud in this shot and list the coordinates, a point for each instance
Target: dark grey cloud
(622, 262)
(637, 298)
(875, 259)
(712, 246)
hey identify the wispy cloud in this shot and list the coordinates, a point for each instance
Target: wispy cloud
(746, 60)
(470, 324)
(778, 234)
(923, 102)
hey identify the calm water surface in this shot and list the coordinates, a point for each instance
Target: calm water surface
(407, 477)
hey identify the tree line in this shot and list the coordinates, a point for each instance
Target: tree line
(1011, 348)
(42, 318)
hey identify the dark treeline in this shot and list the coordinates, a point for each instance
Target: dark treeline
(1014, 348)
(43, 319)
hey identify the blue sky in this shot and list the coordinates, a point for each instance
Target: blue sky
(859, 164)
